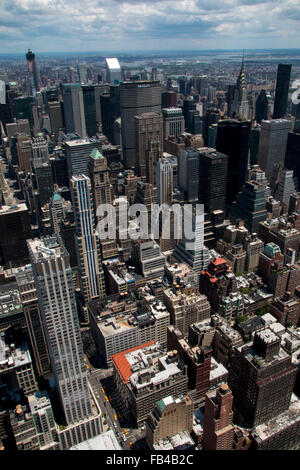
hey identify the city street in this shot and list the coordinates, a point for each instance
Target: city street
(101, 381)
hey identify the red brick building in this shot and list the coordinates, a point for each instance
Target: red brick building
(218, 431)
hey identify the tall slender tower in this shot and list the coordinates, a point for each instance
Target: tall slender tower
(74, 109)
(149, 143)
(99, 175)
(240, 104)
(53, 280)
(282, 90)
(164, 181)
(102, 193)
(218, 428)
(87, 243)
(261, 107)
(136, 97)
(34, 75)
(193, 251)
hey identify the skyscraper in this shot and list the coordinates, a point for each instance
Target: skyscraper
(212, 179)
(250, 205)
(34, 75)
(55, 114)
(136, 97)
(89, 104)
(261, 107)
(233, 141)
(164, 181)
(28, 294)
(53, 279)
(272, 144)
(292, 155)
(99, 176)
(82, 73)
(14, 231)
(218, 430)
(40, 149)
(77, 154)
(282, 89)
(212, 116)
(87, 243)
(240, 105)
(74, 109)
(193, 251)
(110, 111)
(188, 171)
(149, 144)
(113, 71)
(173, 122)
(261, 378)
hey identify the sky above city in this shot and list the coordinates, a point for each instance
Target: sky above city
(147, 25)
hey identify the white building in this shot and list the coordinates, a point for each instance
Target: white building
(113, 71)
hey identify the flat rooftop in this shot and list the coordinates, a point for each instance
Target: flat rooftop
(46, 248)
(10, 302)
(217, 370)
(12, 357)
(284, 420)
(14, 208)
(105, 441)
(112, 63)
(180, 440)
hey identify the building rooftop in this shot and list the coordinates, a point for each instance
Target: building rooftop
(96, 155)
(10, 302)
(112, 63)
(46, 248)
(57, 197)
(256, 359)
(275, 425)
(147, 365)
(121, 322)
(267, 335)
(14, 208)
(181, 440)
(123, 360)
(217, 370)
(38, 400)
(104, 441)
(11, 356)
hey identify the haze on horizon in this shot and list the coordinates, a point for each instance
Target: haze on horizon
(147, 25)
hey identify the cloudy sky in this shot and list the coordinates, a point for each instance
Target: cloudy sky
(126, 25)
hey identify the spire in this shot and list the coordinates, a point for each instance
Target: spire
(241, 81)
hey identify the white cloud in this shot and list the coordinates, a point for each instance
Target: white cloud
(154, 24)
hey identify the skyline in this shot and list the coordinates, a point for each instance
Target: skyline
(43, 25)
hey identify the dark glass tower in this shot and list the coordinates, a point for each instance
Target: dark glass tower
(110, 111)
(233, 140)
(136, 97)
(230, 98)
(212, 116)
(213, 180)
(282, 89)
(23, 108)
(261, 107)
(88, 93)
(292, 155)
(250, 205)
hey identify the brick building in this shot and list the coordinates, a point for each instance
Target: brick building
(262, 378)
(218, 429)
